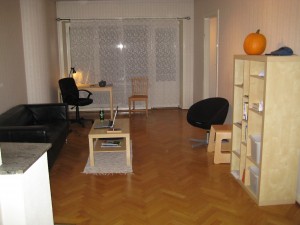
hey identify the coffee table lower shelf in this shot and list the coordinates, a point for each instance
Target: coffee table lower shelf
(97, 136)
(99, 148)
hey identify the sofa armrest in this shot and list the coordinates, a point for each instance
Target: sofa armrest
(35, 133)
(49, 112)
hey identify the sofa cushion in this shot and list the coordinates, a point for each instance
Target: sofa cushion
(47, 113)
(17, 116)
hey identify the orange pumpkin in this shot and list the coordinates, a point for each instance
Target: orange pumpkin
(255, 43)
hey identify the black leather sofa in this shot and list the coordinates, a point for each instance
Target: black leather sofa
(37, 123)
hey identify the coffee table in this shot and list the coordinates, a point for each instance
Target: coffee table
(96, 137)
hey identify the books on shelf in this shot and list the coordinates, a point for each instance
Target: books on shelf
(246, 133)
(111, 143)
(261, 73)
(245, 111)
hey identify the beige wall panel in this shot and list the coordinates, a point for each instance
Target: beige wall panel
(40, 49)
(12, 76)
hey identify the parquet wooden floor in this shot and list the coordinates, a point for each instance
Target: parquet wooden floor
(172, 183)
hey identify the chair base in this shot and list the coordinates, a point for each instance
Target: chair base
(200, 142)
(79, 119)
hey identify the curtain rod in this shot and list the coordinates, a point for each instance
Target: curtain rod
(134, 18)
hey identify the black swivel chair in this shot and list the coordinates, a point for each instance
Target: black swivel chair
(70, 95)
(205, 113)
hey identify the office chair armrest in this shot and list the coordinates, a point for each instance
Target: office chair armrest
(89, 93)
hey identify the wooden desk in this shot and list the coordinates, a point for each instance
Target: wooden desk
(97, 88)
(95, 136)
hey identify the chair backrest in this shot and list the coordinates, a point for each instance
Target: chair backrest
(139, 85)
(69, 91)
(208, 112)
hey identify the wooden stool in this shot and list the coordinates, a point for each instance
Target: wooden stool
(217, 134)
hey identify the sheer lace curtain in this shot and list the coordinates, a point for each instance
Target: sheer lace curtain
(116, 50)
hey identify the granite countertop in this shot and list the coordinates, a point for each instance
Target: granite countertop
(18, 157)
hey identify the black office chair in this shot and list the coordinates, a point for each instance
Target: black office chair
(205, 113)
(70, 95)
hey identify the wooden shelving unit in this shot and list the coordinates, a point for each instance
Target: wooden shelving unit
(274, 83)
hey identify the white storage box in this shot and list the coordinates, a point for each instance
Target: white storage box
(255, 148)
(254, 173)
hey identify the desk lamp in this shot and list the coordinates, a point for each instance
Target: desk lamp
(72, 71)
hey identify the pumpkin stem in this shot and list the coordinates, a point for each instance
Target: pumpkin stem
(258, 31)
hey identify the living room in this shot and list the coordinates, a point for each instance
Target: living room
(34, 44)
(30, 54)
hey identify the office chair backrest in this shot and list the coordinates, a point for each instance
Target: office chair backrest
(69, 90)
(207, 112)
(139, 85)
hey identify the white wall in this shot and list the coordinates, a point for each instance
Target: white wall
(278, 20)
(142, 9)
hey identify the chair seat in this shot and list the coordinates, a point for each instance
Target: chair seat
(138, 97)
(84, 101)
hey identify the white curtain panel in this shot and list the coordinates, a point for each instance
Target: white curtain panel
(116, 50)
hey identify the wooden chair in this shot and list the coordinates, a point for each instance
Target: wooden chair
(139, 87)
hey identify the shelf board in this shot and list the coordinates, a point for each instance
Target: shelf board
(256, 111)
(239, 85)
(245, 121)
(253, 161)
(238, 124)
(236, 174)
(237, 153)
(258, 77)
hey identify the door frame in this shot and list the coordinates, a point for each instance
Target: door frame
(207, 62)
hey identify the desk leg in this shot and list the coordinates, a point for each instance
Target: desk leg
(111, 104)
(91, 145)
(128, 151)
